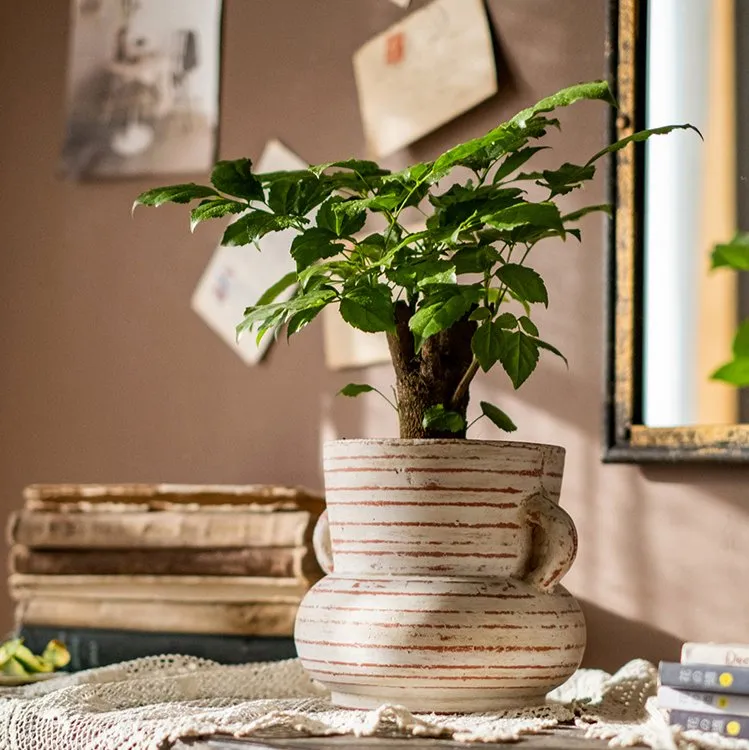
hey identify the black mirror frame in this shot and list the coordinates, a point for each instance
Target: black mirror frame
(626, 439)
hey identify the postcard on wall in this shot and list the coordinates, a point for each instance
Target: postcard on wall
(346, 347)
(236, 276)
(142, 87)
(423, 72)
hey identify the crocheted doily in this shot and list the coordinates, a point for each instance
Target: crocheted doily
(149, 704)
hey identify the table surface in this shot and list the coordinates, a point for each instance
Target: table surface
(560, 738)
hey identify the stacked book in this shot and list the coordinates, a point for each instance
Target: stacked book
(121, 571)
(709, 689)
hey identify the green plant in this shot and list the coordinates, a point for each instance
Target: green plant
(453, 297)
(735, 255)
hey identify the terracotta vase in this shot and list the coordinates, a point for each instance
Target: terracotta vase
(443, 592)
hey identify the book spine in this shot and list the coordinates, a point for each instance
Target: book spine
(274, 562)
(714, 703)
(727, 725)
(729, 655)
(91, 648)
(705, 677)
(160, 529)
(274, 496)
(211, 618)
(162, 588)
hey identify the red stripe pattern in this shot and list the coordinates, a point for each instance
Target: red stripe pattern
(425, 606)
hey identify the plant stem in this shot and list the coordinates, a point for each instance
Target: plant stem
(465, 382)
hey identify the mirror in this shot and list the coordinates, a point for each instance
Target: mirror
(672, 319)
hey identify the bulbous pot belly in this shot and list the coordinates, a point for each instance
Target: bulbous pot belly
(438, 644)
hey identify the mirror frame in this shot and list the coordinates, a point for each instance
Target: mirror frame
(626, 438)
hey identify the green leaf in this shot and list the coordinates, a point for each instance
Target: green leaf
(543, 215)
(301, 320)
(735, 372)
(355, 389)
(641, 135)
(214, 208)
(342, 222)
(252, 226)
(519, 356)
(733, 254)
(577, 215)
(528, 325)
(480, 313)
(369, 308)
(236, 178)
(563, 180)
(506, 320)
(741, 341)
(174, 194)
(437, 418)
(583, 91)
(524, 283)
(475, 259)
(546, 345)
(270, 294)
(498, 417)
(514, 161)
(486, 344)
(312, 245)
(362, 167)
(437, 317)
(297, 195)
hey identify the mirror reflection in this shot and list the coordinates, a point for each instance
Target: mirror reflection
(696, 196)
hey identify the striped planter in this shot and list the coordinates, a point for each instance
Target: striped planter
(443, 587)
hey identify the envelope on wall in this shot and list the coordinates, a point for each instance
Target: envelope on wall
(423, 72)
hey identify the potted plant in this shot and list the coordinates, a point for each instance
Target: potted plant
(446, 553)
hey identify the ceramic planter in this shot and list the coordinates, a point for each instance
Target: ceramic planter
(444, 591)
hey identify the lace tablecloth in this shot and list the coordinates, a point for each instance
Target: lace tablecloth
(149, 704)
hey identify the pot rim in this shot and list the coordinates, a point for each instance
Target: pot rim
(443, 441)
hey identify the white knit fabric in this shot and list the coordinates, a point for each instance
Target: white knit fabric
(149, 704)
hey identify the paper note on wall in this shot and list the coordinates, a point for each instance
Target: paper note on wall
(423, 72)
(347, 347)
(236, 276)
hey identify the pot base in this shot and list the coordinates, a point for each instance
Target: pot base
(429, 703)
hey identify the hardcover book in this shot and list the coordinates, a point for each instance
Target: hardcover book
(209, 529)
(215, 618)
(276, 562)
(729, 654)
(159, 588)
(90, 647)
(726, 724)
(156, 496)
(690, 700)
(705, 677)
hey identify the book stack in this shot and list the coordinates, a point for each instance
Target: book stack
(709, 689)
(121, 571)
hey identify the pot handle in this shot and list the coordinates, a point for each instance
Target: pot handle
(321, 543)
(554, 542)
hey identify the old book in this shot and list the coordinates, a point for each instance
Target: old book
(162, 588)
(277, 562)
(713, 703)
(85, 497)
(218, 618)
(210, 529)
(730, 654)
(91, 647)
(705, 677)
(729, 725)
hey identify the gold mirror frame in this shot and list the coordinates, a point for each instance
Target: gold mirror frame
(626, 438)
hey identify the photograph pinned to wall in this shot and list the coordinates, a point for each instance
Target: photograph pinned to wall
(423, 72)
(236, 276)
(346, 347)
(142, 87)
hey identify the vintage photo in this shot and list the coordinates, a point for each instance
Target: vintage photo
(142, 87)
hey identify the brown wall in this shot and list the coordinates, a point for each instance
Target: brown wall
(107, 375)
